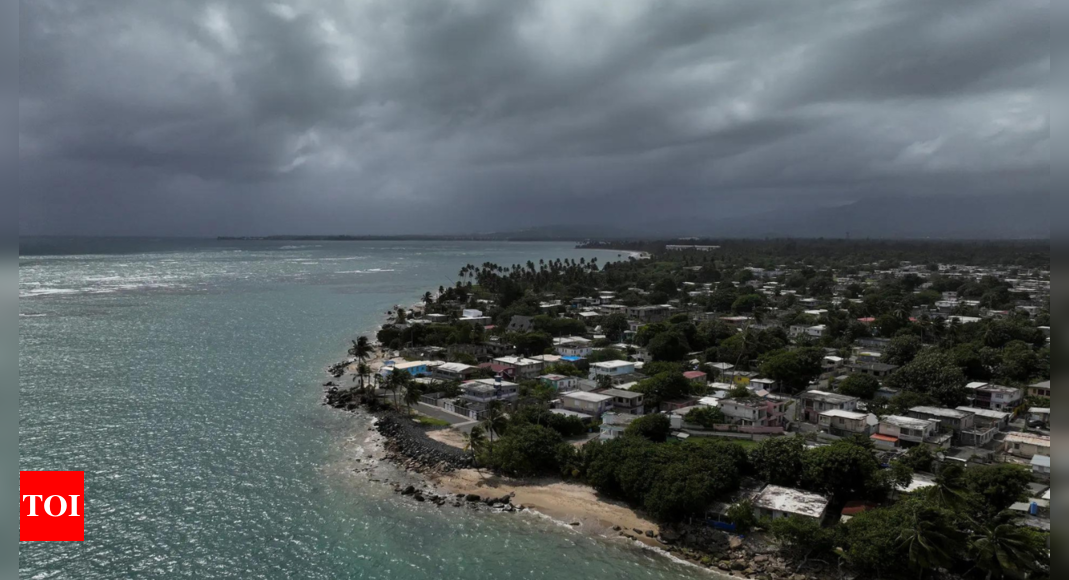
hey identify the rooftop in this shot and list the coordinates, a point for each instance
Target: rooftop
(827, 397)
(1041, 461)
(613, 364)
(906, 422)
(985, 413)
(940, 412)
(845, 414)
(1028, 439)
(622, 394)
(791, 501)
(587, 397)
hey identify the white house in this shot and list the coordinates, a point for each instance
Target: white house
(591, 404)
(1041, 467)
(613, 425)
(776, 502)
(613, 369)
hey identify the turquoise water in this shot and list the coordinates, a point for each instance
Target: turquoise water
(184, 379)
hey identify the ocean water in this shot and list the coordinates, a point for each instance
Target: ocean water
(184, 378)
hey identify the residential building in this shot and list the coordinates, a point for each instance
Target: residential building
(998, 398)
(415, 368)
(1026, 445)
(614, 425)
(592, 404)
(767, 385)
(814, 403)
(776, 502)
(1039, 415)
(987, 418)
(455, 372)
(898, 431)
(754, 412)
(626, 402)
(1041, 467)
(614, 369)
(697, 377)
(845, 423)
(653, 313)
(521, 324)
(573, 346)
(962, 424)
(1040, 390)
(876, 369)
(561, 383)
(526, 369)
(483, 391)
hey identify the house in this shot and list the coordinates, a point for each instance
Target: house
(1026, 445)
(845, 423)
(740, 378)
(988, 418)
(877, 369)
(455, 372)
(897, 431)
(697, 377)
(816, 331)
(962, 424)
(1039, 415)
(776, 502)
(768, 385)
(614, 425)
(573, 346)
(614, 369)
(1040, 390)
(655, 313)
(814, 403)
(526, 369)
(482, 391)
(592, 404)
(414, 368)
(1041, 467)
(560, 383)
(626, 402)
(987, 396)
(755, 412)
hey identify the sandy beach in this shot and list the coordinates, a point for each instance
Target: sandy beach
(566, 502)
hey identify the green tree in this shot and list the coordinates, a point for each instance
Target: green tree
(748, 303)
(475, 441)
(930, 543)
(843, 470)
(795, 369)
(654, 427)
(525, 451)
(495, 423)
(802, 537)
(1000, 486)
(861, 386)
(779, 461)
(614, 326)
(903, 349)
(932, 373)
(669, 346)
(1002, 548)
(663, 387)
(361, 349)
(707, 417)
(919, 458)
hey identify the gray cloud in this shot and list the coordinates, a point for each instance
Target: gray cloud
(220, 117)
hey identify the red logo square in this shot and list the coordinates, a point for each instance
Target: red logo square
(51, 506)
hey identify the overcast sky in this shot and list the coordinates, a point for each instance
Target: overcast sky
(375, 116)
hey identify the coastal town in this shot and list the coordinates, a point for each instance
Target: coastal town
(781, 410)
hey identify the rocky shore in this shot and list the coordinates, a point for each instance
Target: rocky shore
(407, 445)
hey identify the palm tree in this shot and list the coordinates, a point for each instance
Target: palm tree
(929, 545)
(362, 372)
(475, 441)
(1003, 549)
(412, 395)
(361, 349)
(950, 491)
(495, 421)
(397, 382)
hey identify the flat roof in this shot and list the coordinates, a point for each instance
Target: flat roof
(1028, 438)
(907, 422)
(986, 413)
(791, 501)
(845, 414)
(828, 397)
(919, 482)
(613, 364)
(455, 367)
(517, 361)
(621, 394)
(1041, 461)
(1040, 410)
(587, 397)
(940, 412)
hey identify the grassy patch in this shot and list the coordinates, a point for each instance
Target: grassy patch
(432, 422)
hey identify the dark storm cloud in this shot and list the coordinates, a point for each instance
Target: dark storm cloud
(209, 117)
